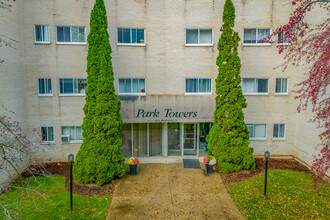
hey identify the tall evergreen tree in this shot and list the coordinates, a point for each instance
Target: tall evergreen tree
(100, 159)
(228, 139)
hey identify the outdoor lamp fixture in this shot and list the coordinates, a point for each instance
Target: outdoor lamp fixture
(267, 156)
(71, 159)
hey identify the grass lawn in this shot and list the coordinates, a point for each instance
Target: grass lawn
(55, 205)
(290, 195)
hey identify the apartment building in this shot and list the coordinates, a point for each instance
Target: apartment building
(164, 59)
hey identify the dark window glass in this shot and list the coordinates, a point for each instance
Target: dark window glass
(192, 36)
(45, 86)
(263, 85)
(250, 36)
(66, 85)
(120, 35)
(191, 85)
(63, 34)
(126, 36)
(38, 33)
(140, 36)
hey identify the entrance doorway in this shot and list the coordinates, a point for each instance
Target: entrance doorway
(182, 139)
(174, 139)
(190, 140)
(168, 139)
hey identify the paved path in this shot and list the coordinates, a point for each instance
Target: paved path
(169, 191)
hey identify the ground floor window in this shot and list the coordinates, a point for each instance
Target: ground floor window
(281, 86)
(279, 131)
(257, 131)
(204, 129)
(71, 134)
(47, 134)
(142, 139)
(164, 139)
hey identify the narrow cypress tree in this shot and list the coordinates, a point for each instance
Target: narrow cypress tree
(100, 159)
(228, 139)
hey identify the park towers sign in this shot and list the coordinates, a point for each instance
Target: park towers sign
(166, 113)
(167, 108)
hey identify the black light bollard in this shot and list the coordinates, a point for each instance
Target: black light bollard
(267, 155)
(71, 158)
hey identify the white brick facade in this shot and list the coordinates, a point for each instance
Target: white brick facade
(165, 62)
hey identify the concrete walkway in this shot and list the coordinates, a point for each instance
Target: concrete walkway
(169, 191)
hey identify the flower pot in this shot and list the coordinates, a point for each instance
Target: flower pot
(209, 168)
(132, 169)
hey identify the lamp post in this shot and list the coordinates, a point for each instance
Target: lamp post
(71, 159)
(267, 155)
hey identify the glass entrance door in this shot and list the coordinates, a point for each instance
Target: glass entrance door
(173, 139)
(190, 140)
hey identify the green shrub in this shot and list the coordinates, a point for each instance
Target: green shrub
(99, 159)
(228, 139)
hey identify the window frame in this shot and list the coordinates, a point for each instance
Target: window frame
(256, 93)
(199, 44)
(279, 138)
(76, 43)
(47, 141)
(35, 37)
(45, 94)
(254, 138)
(197, 93)
(71, 94)
(287, 87)
(256, 44)
(71, 141)
(130, 34)
(133, 93)
(284, 39)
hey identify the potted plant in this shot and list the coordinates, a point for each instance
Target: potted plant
(133, 162)
(209, 161)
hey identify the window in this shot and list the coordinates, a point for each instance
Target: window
(132, 86)
(130, 36)
(199, 36)
(71, 34)
(73, 86)
(41, 33)
(47, 134)
(255, 86)
(279, 131)
(281, 86)
(71, 134)
(45, 86)
(257, 131)
(256, 35)
(282, 39)
(198, 85)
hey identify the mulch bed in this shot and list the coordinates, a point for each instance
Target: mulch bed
(63, 168)
(273, 164)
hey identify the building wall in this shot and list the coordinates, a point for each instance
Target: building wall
(164, 62)
(13, 78)
(12, 75)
